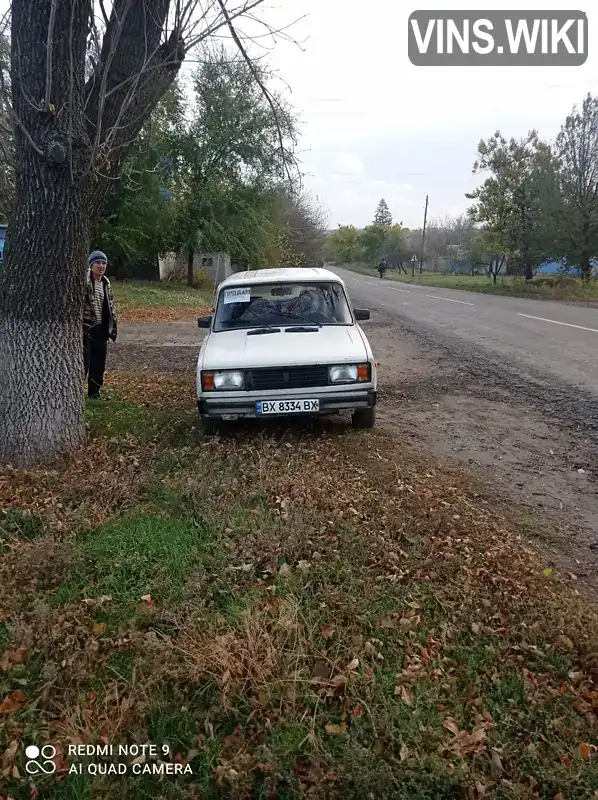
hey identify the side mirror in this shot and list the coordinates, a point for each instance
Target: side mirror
(361, 314)
(204, 322)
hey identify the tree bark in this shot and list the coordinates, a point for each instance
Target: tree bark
(190, 270)
(42, 279)
(70, 139)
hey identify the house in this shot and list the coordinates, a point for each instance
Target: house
(556, 267)
(174, 266)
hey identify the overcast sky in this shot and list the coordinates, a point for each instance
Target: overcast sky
(373, 125)
(376, 126)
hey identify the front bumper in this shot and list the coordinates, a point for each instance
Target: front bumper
(244, 407)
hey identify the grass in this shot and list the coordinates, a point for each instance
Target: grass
(317, 613)
(542, 287)
(142, 302)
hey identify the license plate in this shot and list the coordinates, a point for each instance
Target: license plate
(287, 406)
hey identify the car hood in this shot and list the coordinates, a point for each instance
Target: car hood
(328, 345)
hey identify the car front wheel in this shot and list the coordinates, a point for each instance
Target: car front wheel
(364, 418)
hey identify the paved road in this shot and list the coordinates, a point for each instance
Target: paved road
(556, 338)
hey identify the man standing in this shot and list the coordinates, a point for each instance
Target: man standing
(99, 323)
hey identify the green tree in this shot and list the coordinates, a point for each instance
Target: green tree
(137, 220)
(372, 242)
(396, 244)
(233, 148)
(342, 246)
(577, 150)
(383, 217)
(516, 204)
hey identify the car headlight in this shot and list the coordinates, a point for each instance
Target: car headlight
(349, 373)
(229, 379)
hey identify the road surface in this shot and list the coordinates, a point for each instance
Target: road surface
(555, 338)
(507, 386)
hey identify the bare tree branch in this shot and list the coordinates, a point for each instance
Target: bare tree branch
(260, 83)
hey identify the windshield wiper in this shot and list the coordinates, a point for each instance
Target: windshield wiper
(312, 328)
(260, 331)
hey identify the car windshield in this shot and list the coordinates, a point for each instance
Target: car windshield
(282, 304)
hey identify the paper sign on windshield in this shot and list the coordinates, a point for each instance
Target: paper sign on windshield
(240, 295)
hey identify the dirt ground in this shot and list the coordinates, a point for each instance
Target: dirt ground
(532, 445)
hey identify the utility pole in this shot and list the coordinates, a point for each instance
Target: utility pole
(421, 260)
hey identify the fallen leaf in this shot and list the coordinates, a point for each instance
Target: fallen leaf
(339, 680)
(99, 628)
(327, 631)
(562, 639)
(451, 725)
(357, 711)
(284, 570)
(475, 628)
(353, 665)
(547, 572)
(303, 566)
(497, 767)
(404, 753)
(13, 702)
(148, 599)
(379, 747)
(406, 697)
(336, 730)
(584, 749)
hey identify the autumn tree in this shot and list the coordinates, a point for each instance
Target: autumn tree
(299, 228)
(382, 217)
(83, 86)
(577, 151)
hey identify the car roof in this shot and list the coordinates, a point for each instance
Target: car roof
(274, 275)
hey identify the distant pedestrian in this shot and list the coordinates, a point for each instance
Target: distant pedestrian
(99, 322)
(529, 274)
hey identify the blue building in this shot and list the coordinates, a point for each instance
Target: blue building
(555, 267)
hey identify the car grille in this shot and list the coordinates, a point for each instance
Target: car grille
(286, 378)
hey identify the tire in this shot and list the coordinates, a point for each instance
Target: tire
(210, 426)
(364, 418)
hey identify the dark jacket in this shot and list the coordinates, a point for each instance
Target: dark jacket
(108, 307)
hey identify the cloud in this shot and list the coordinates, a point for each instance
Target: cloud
(348, 164)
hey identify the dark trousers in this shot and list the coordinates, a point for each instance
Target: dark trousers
(95, 347)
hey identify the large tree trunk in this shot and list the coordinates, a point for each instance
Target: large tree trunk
(69, 143)
(42, 278)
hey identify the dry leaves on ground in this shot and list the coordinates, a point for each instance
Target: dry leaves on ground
(133, 313)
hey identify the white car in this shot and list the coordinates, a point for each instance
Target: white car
(284, 342)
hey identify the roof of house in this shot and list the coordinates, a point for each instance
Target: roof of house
(294, 274)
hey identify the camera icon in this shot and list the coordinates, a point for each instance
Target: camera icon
(40, 760)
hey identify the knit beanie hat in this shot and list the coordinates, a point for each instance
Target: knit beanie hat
(97, 255)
